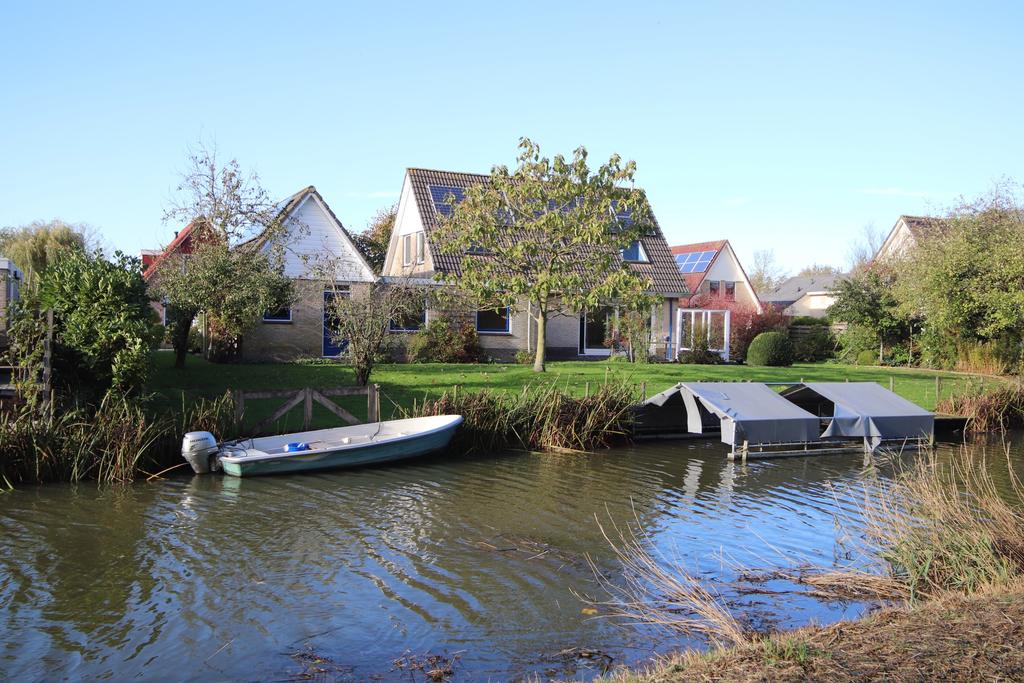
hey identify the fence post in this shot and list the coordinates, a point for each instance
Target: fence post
(587, 392)
(307, 408)
(372, 403)
(643, 391)
(892, 384)
(938, 388)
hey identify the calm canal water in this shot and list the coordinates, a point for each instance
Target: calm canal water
(215, 578)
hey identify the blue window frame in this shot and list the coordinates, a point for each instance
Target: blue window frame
(493, 321)
(281, 315)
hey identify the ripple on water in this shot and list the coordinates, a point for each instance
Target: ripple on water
(222, 577)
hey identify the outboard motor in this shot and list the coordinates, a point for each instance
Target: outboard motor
(200, 450)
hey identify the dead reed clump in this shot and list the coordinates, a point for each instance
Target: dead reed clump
(653, 590)
(945, 527)
(990, 411)
(543, 418)
(112, 442)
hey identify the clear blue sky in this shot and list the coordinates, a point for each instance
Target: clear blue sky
(786, 127)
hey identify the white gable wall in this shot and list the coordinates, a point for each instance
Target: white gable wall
(407, 222)
(313, 234)
(897, 244)
(727, 268)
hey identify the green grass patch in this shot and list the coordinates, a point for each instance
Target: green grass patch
(404, 384)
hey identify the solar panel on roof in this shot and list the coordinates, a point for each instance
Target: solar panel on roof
(440, 193)
(695, 261)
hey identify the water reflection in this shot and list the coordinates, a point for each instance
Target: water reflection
(223, 577)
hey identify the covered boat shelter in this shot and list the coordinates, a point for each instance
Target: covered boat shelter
(805, 419)
(862, 410)
(746, 413)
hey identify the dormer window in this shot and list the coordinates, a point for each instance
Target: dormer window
(635, 253)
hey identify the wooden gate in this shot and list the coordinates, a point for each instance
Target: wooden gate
(306, 397)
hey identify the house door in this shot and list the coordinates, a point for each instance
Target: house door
(331, 346)
(594, 332)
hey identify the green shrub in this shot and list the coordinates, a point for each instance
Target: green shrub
(701, 353)
(809, 320)
(814, 344)
(867, 357)
(853, 340)
(771, 349)
(524, 357)
(440, 342)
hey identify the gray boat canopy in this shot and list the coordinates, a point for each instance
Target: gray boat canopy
(863, 410)
(747, 411)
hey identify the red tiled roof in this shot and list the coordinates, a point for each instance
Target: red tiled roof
(693, 280)
(182, 242)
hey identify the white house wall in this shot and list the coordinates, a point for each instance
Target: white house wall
(313, 235)
(813, 304)
(727, 268)
(407, 222)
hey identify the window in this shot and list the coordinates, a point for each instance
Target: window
(420, 247)
(281, 315)
(407, 250)
(493, 321)
(730, 291)
(635, 253)
(714, 288)
(411, 321)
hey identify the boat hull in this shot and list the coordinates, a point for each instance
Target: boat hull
(343, 457)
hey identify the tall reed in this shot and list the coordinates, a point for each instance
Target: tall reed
(114, 441)
(992, 410)
(946, 527)
(539, 418)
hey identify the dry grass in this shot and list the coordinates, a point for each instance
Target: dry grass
(955, 638)
(115, 441)
(657, 591)
(537, 418)
(990, 411)
(948, 543)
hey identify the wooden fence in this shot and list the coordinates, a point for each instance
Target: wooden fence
(306, 397)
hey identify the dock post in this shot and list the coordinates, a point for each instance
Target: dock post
(892, 383)
(643, 391)
(372, 403)
(239, 397)
(938, 389)
(587, 390)
(743, 452)
(307, 408)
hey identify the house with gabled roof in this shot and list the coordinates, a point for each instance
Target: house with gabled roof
(714, 276)
(414, 253)
(905, 235)
(805, 295)
(312, 235)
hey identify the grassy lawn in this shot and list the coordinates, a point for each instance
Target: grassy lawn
(402, 384)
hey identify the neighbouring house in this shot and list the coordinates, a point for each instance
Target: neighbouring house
(413, 253)
(313, 238)
(718, 285)
(809, 295)
(10, 290)
(183, 243)
(714, 275)
(904, 236)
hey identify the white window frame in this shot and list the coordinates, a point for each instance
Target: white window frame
(407, 250)
(703, 316)
(421, 247)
